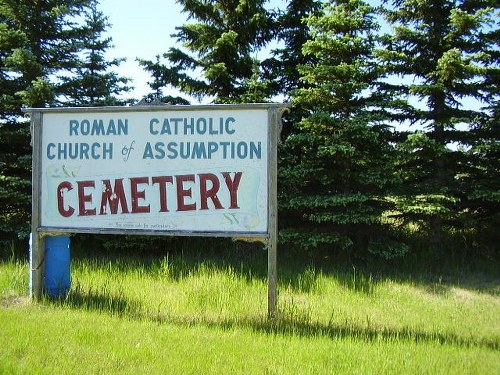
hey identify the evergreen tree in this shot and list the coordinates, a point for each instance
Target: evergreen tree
(11, 39)
(481, 185)
(14, 139)
(291, 30)
(160, 74)
(342, 155)
(439, 50)
(93, 83)
(281, 72)
(39, 41)
(481, 182)
(217, 61)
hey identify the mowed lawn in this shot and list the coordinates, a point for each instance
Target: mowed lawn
(189, 314)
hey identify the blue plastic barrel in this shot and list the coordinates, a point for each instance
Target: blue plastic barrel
(57, 275)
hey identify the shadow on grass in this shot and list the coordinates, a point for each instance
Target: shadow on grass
(286, 324)
(291, 327)
(302, 274)
(113, 303)
(299, 270)
(247, 260)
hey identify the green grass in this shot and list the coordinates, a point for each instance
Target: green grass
(190, 313)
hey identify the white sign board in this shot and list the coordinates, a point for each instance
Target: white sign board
(159, 169)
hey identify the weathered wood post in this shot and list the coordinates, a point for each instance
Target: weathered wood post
(37, 241)
(272, 241)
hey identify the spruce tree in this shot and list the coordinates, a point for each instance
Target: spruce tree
(28, 30)
(93, 81)
(342, 155)
(439, 52)
(280, 71)
(39, 42)
(481, 182)
(291, 30)
(217, 59)
(160, 75)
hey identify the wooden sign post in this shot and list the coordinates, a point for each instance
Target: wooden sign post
(201, 170)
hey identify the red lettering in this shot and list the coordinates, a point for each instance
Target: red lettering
(113, 197)
(211, 193)
(85, 198)
(138, 194)
(162, 183)
(65, 185)
(232, 186)
(183, 193)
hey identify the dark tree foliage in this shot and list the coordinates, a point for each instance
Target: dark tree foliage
(445, 59)
(480, 184)
(159, 72)
(335, 193)
(93, 83)
(40, 41)
(292, 31)
(14, 139)
(217, 60)
(281, 70)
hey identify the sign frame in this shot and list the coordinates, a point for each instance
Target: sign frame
(268, 237)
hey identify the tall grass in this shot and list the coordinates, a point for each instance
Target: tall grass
(212, 305)
(184, 288)
(14, 274)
